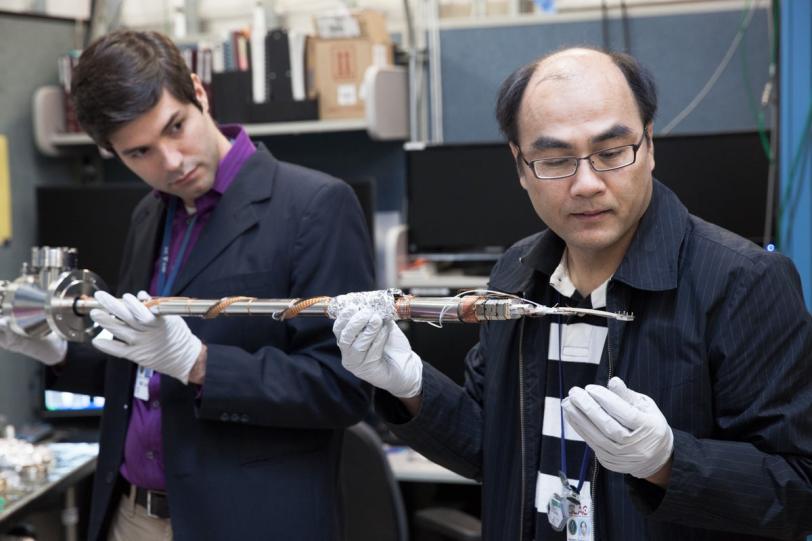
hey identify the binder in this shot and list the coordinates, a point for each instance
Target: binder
(277, 66)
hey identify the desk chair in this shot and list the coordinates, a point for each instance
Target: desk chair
(373, 507)
(372, 502)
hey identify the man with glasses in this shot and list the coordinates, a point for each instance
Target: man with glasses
(693, 421)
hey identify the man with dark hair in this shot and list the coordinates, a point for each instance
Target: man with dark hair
(693, 421)
(146, 64)
(228, 428)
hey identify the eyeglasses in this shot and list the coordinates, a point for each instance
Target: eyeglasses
(601, 161)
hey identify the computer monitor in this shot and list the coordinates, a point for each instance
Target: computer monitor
(466, 198)
(64, 404)
(93, 219)
(721, 178)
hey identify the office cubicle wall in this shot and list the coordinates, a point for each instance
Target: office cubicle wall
(681, 45)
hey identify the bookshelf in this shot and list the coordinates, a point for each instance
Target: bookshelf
(386, 118)
(274, 128)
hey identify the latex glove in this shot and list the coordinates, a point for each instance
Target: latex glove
(50, 349)
(626, 429)
(377, 352)
(164, 343)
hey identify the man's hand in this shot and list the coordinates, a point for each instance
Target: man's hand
(626, 429)
(164, 344)
(377, 352)
(48, 350)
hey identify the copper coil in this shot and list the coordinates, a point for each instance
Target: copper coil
(467, 309)
(296, 308)
(158, 300)
(224, 303)
(403, 307)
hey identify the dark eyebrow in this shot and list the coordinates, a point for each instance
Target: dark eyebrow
(615, 132)
(171, 121)
(166, 127)
(546, 143)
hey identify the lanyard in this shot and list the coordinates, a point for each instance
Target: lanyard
(587, 451)
(165, 283)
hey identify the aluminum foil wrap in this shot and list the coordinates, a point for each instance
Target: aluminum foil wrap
(381, 302)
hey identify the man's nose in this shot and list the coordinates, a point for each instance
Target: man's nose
(173, 158)
(586, 182)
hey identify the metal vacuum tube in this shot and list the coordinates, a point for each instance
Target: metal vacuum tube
(35, 303)
(52, 295)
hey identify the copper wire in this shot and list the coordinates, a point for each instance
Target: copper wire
(224, 303)
(296, 308)
(403, 307)
(158, 300)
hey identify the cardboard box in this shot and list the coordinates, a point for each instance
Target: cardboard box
(373, 26)
(336, 66)
(335, 72)
(454, 10)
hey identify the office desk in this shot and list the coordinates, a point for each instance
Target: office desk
(72, 463)
(409, 465)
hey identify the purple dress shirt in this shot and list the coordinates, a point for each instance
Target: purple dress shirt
(143, 464)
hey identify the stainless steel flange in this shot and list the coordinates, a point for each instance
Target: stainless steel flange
(60, 311)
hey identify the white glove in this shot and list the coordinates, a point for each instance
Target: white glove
(164, 343)
(377, 352)
(49, 350)
(626, 429)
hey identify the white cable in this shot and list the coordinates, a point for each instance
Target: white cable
(435, 72)
(716, 74)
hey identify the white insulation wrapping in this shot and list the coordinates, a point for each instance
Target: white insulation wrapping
(381, 302)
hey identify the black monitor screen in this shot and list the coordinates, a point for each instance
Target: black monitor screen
(364, 188)
(93, 219)
(721, 178)
(466, 198)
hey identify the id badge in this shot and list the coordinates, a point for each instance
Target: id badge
(142, 377)
(556, 513)
(579, 526)
(560, 507)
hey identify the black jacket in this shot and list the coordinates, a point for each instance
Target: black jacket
(256, 456)
(721, 341)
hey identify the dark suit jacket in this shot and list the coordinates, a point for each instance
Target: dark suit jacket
(256, 455)
(721, 341)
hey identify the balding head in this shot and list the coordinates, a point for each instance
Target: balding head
(566, 64)
(571, 90)
(583, 154)
(571, 63)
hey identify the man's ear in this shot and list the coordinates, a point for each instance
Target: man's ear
(514, 149)
(650, 142)
(200, 93)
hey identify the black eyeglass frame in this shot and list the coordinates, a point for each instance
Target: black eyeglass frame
(635, 148)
